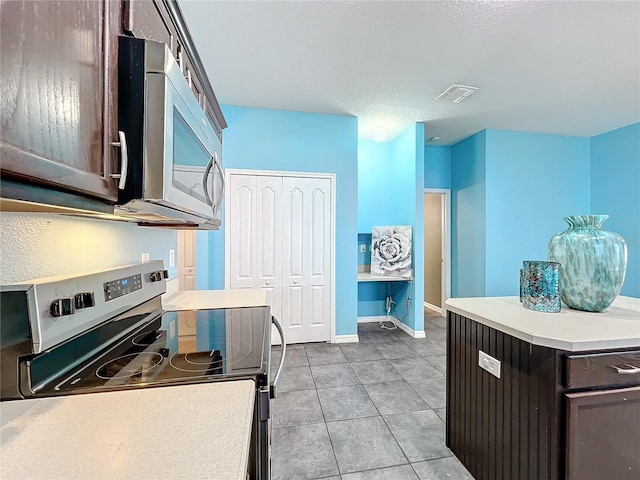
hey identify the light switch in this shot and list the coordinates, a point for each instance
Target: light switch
(172, 257)
(145, 257)
(488, 363)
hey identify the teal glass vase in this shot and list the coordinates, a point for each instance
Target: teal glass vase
(594, 263)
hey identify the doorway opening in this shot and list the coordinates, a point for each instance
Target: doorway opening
(437, 249)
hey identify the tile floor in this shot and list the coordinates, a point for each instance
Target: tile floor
(372, 410)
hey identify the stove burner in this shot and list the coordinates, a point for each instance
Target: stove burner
(129, 365)
(203, 362)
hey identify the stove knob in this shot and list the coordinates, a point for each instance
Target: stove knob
(61, 307)
(159, 275)
(84, 300)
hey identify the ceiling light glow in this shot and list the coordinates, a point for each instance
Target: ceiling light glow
(380, 135)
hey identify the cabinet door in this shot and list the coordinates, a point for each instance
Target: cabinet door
(603, 434)
(150, 20)
(59, 93)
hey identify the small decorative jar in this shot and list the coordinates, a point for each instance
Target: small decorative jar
(594, 263)
(540, 286)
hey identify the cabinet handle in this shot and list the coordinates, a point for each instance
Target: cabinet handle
(124, 160)
(627, 371)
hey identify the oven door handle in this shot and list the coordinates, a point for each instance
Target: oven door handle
(284, 351)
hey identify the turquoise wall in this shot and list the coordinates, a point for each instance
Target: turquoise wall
(263, 139)
(377, 185)
(615, 191)
(390, 192)
(510, 191)
(437, 167)
(532, 181)
(203, 272)
(468, 217)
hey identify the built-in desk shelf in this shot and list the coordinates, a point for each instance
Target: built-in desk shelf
(367, 277)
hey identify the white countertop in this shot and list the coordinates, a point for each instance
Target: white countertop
(573, 330)
(180, 432)
(207, 299)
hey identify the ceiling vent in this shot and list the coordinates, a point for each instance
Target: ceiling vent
(456, 93)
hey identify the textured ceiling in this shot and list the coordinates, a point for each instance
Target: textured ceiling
(560, 67)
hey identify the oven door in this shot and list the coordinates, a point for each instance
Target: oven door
(182, 152)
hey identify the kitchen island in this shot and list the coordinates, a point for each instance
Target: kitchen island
(187, 431)
(563, 401)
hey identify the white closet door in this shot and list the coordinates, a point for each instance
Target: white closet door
(268, 240)
(306, 244)
(256, 236)
(243, 200)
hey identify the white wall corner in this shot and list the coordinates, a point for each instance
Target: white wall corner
(346, 339)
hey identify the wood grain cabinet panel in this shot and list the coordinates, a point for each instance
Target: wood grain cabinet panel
(551, 415)
(149, 19)
(59, 94)
(603, 432)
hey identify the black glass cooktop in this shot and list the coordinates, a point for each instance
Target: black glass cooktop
(159, 348)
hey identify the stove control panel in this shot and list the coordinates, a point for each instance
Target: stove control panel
(123, 286)
(64, 306)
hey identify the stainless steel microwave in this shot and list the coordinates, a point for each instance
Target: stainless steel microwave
(171, 172)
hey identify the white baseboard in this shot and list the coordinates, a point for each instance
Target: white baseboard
(346, 339)
(408, 330)
(433, 307)
(376, 319)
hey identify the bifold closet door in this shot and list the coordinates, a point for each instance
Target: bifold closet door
(255, 259)
(280, 240)
(306, 221)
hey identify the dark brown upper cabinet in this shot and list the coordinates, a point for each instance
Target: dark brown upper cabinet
(59, 95)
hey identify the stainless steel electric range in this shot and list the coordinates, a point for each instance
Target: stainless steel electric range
(107, 331)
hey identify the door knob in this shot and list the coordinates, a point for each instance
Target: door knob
(267, 282)
(295, 282)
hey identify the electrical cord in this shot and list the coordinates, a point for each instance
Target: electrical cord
(389, 305)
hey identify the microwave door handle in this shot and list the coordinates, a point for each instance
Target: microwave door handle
(216, 206)
(124, 160)
(207, 171)
(284, 351)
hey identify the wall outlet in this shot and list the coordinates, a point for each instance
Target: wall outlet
(363, 247)
(489, 363)
(145, 257)
(172, 257)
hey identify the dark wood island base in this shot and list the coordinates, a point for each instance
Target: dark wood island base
(552, 414)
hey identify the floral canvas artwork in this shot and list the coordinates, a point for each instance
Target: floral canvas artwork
(391, 251)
